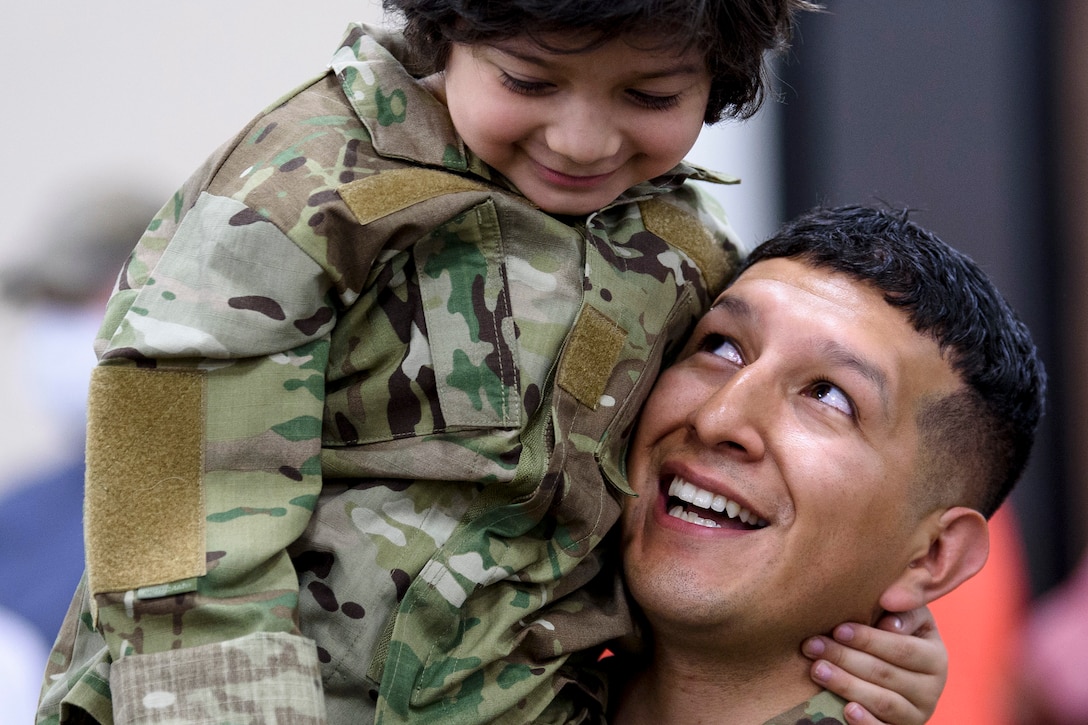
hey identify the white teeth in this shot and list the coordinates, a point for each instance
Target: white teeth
(693, 518)
(687, 491)
(700, 498)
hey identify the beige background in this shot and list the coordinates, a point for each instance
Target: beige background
(144, 90)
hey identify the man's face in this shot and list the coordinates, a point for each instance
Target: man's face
(574, 130)
(775, 461)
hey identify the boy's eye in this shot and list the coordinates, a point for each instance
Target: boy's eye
(649, 101)
(527, 88)
(722, 347)
(832, 395)
(653, 102)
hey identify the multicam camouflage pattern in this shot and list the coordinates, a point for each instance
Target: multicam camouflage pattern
(407, 456)
(267, 678)
(824, 708)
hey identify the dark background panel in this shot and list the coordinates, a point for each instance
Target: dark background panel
(944, 107)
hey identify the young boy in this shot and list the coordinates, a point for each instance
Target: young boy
(367, 379)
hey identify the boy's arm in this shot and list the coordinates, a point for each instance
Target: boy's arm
(203, 466)
(895, 671)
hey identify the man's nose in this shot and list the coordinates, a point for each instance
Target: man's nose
(733, 417)
(584, 134)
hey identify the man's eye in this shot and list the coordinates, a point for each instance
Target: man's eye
(723, 347)
(832, 395)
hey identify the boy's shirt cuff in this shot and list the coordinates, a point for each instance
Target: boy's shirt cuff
(266, 676)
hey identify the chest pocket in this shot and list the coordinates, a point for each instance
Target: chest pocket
(427, 345)
(465, 297)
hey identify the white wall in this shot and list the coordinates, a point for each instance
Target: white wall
(146, 89)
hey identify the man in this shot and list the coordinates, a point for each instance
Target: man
(829, 446)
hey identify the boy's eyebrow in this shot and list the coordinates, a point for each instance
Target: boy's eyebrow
(682, 66)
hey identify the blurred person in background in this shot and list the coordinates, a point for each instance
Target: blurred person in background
(59, 306)
(1052, 688)
(22, 657)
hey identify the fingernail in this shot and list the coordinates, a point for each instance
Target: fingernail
(814, 647)
(822, 672)
(844, 633)
(897, 623)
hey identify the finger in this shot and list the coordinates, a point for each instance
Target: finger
(858, 715)
(878, 703)
(924, 653)
(918, 622)
(897, 677)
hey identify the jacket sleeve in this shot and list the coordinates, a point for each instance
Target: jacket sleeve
(203, 466)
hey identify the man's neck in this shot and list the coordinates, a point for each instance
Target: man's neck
(684, 684)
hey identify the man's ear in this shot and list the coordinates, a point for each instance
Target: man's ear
(958, 544)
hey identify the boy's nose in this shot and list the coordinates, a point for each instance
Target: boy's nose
(585, 136)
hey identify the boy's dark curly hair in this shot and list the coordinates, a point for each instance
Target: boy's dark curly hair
(734, 35)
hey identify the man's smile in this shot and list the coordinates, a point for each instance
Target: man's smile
(695, 505)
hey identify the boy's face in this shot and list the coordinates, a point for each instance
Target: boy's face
(574, 130)
(796, 402)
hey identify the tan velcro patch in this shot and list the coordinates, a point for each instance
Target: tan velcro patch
(380, 195)
(592, 350)
(145, 486)
(685, 232)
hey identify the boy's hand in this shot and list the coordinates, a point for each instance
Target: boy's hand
(893, 673)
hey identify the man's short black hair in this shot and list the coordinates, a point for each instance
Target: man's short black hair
(983, 435)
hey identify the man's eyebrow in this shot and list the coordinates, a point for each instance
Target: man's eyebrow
(840, 356)
(736, 307)
(682, 66)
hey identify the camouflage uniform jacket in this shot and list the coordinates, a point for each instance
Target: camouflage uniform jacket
(355, 390)
(824, 708)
